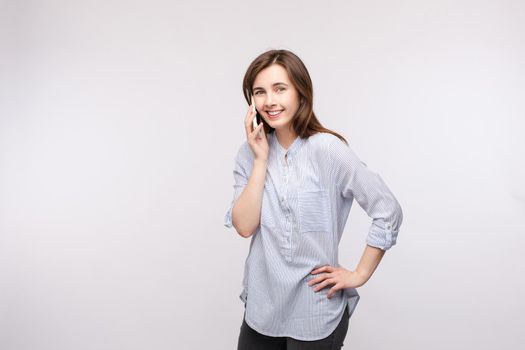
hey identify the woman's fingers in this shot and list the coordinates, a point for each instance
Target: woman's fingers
(318, 279)
(256, 132)
(324, 278)
(255, 136)
(326, 268)
(323, 284)
(248, 121)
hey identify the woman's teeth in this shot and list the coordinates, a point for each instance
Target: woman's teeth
(274, 114)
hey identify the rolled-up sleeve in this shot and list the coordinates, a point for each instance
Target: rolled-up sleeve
(240, 178)
(355, 180)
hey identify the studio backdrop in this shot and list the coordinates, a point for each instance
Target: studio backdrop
(120, 121)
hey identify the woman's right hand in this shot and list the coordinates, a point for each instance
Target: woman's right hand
(257, 137)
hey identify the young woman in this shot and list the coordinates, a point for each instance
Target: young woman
(295, 182)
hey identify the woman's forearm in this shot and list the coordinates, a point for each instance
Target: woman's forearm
(246, 213)
(369, 261)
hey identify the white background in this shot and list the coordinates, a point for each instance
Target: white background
(119, 122)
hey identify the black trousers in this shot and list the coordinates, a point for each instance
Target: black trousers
(249, 339)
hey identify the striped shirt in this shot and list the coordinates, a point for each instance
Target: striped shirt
(308, 192)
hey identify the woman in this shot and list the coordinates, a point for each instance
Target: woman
(295, 182)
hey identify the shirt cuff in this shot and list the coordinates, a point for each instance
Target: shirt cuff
(383, 238)
(228, 216)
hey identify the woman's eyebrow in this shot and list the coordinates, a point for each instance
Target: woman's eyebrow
(274, 84)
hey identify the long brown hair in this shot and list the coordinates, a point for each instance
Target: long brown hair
(304, 122)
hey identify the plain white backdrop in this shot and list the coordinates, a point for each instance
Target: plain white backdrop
(119, 123)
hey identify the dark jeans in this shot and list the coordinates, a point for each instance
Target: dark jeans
(249, 339)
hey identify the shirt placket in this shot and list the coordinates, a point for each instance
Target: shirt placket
(285, 204)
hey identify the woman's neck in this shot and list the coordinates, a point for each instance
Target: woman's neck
(285, 138)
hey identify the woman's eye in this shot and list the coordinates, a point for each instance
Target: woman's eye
(278, 89)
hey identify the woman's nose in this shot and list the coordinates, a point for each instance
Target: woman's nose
(269, 100)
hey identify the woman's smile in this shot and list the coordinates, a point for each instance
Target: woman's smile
(274, 114)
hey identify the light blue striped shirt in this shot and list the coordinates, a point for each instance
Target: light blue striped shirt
(306, 201)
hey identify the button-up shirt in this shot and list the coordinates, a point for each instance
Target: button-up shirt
(308, 192)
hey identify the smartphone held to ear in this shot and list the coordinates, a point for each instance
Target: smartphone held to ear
(256, 120)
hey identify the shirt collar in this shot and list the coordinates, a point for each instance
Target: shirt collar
(292, 149)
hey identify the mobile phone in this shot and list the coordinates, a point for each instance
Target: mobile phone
(257, 119)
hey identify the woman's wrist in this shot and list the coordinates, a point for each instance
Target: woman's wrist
(260, 161)
(361, 277)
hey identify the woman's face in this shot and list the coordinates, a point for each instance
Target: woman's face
(273, 91)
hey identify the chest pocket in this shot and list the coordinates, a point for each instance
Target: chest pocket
(314, 211)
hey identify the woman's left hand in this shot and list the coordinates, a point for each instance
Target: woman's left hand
(338, 276)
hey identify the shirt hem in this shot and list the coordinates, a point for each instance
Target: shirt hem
(351, 304)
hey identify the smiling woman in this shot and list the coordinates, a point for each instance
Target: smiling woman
(276, 98)
(283, 93)
(293, 191)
